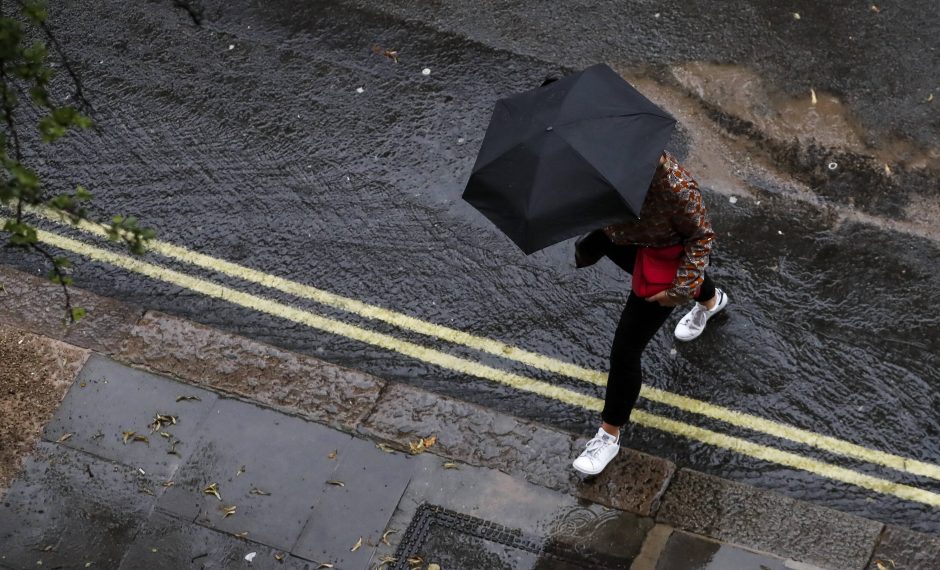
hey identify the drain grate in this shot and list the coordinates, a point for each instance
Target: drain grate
(457, 541)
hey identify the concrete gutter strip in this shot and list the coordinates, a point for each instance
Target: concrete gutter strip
(393, 413)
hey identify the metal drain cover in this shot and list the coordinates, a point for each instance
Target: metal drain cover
(461, 542)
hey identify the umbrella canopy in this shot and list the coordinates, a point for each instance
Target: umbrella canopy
(567, 158)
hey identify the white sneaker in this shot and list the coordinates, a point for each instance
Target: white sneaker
(693, 323)
(597, 454)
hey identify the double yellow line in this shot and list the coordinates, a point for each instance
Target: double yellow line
(517, 381)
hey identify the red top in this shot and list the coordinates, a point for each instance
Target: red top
(673, 213)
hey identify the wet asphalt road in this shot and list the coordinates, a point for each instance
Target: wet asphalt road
(247, 140)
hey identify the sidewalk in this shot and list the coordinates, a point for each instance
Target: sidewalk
(316, 461)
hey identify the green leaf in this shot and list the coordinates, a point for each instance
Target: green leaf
(77, 314)
(21, 234)
(82, 193)
(25, 176)
(36, 11)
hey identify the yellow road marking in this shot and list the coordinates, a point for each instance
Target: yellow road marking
(533, 359)
(472, 368)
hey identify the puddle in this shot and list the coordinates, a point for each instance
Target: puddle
(746, 135)
(816, 117)
(742, 93)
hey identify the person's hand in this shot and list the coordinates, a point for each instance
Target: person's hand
(665, 300)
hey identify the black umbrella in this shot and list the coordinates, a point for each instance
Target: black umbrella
(567, 158)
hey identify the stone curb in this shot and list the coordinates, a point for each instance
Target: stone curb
(394, 413)
(765, 521)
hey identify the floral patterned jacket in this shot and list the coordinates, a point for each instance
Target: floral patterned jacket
(672, 213)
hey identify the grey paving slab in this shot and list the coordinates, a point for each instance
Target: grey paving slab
(586, 540)
(67, 508)
(901, 548)
(108, 399)
(373, 483)
(35, 304)
(281, 455)
(606, 537)
(685, 551)
(166, 542)
(547, 516)
(767, 522)
(292, 382)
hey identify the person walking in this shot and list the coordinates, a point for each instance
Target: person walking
(673, 215)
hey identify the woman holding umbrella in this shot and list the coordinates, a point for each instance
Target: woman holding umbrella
(586, 152)
(674, 222)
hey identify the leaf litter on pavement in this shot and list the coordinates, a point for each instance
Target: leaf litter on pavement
(422, 444)
(213, 489)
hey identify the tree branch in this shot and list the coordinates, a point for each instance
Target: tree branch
(79, 92)
(61, 279)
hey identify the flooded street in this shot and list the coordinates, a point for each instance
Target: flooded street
(275, 137)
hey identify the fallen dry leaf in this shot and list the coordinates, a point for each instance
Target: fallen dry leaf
(434, 567)
(145, 491)
(390, 54)
(875, 9)
(415, 561)
(450, 465)
(213, 490)
(385, 560)
(796, 15)
(187, 398)
(930, 98)
(812, 94)
(336, 483)
(422, 444)
(142, 438)
(386, 535)
(887, 170)
(279, 557)
(332, 454)
(325, 565)
(240, 471)
(65, 437)
(242, 534)
(257, 491)
(385, 448)
(165, 434)
(167, 484)
(356, 546)
(229, 511)
(126, 435)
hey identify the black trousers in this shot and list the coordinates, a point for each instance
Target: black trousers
(638, 323)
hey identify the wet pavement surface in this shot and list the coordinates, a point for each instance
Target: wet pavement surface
(247, 140)
(225, 479)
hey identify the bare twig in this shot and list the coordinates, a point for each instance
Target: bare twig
(79, 92)
(61, 277)
(11, 125)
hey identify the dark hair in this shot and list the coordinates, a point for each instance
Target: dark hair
(547, 80)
